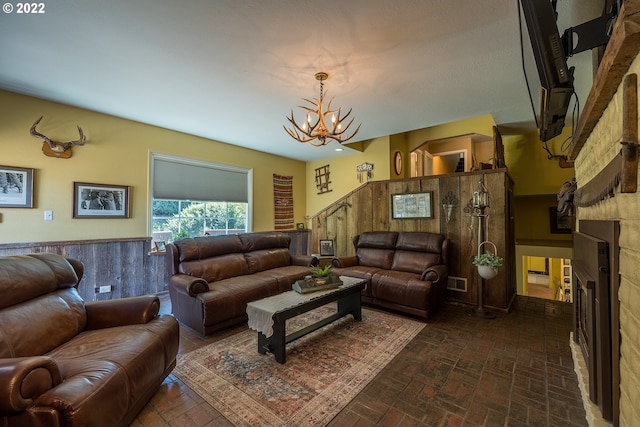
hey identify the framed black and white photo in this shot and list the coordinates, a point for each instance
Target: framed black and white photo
(100, 200)
(412, 205)
(16, 187)
(326, 247)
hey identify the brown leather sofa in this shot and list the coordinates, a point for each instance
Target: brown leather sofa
(407, 271)
(66, 362)
(212, 278)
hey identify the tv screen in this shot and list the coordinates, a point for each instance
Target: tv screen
(556, 78)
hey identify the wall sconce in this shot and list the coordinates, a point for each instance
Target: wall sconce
(448, 203)
(365, 168)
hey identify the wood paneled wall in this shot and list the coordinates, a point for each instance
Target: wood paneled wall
(124, 264)
(368, 208)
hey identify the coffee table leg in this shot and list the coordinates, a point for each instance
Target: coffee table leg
(351, 304)
(278, 341)
(263, 343)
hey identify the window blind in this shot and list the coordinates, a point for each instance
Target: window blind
(177, 179)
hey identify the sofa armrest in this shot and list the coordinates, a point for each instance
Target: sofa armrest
(23, 379)
(347, 261)
(305, 260)
(122, 311)
(188, 285)
(435, 273)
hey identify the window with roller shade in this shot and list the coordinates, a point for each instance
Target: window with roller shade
(192, 198)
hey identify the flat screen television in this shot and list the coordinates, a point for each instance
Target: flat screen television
(556, 78)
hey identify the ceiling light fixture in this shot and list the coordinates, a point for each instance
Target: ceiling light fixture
(318, 129)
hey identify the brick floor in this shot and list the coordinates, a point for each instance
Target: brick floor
(515, 370)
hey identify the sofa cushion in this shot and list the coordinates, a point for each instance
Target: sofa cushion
(195, 248)
(414, 262)
(377, 239)
(216, 268)
(401, 288)
(265, 240)
(228, 298)
(37, 326)
(26, 277)
(378, 258)
(267, 259)
(286, 276)
(134, 348)
(420, 242)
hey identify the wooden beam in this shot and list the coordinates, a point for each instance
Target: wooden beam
(621, 51)
(629, 176)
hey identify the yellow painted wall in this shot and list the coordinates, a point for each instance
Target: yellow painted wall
(531, 170)
(533, 218)
(117, 152)
(482, 125)
(537, 263)
(344, 177)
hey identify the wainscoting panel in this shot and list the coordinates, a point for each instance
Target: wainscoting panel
(125, 265)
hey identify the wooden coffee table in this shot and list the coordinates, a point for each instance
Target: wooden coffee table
(290, 304)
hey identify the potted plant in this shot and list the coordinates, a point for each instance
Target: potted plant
(488, 264)
(323, 275)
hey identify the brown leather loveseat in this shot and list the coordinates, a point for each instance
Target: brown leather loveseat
(64, 362)
(407, 271)
(212, 278)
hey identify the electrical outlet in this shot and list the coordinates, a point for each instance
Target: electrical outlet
(105, 289)
(48, 215)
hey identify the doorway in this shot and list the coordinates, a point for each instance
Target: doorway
(544, 271)
(548, 278)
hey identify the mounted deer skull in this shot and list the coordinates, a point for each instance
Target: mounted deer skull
(61, 150)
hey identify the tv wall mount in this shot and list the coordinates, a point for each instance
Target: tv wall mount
(590, 34)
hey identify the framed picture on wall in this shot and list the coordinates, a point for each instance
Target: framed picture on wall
(412, 205)
(100, 200)
(561, 223)
(326, 247)
(16, 187)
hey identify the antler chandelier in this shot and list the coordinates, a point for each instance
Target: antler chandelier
(318, 129)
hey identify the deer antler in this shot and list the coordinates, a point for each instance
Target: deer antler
(57, 147)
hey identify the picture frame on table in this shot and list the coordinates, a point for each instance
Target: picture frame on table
(100, 200)
(326, 247)
(16, 187)
(161, 246)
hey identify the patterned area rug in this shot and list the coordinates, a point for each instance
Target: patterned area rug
(324, 370)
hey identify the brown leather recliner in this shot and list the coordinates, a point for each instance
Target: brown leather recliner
(64, 362)
(406, 271)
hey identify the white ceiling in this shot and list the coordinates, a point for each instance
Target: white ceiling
(232, 70)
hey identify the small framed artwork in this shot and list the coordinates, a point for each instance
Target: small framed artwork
(161, 246)
(326, 247)
(561, 223)
(412, 205)
(16, 187)
(300, 226)
(100, 200)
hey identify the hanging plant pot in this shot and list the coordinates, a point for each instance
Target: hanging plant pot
(487, 272)
(488, 263)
